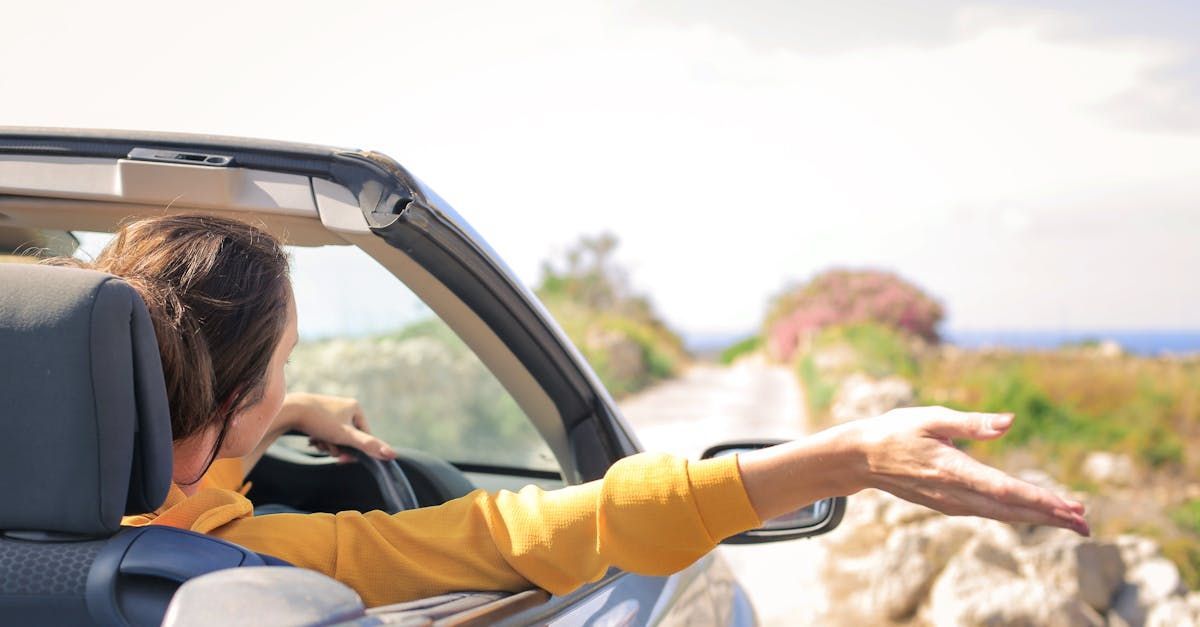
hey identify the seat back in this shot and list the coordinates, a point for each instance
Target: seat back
(85, 438)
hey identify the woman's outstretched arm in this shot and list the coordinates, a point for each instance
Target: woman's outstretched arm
(910, 453)
(651, 514)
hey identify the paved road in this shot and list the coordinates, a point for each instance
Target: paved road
(710, 404)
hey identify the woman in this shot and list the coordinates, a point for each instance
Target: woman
(220, 298)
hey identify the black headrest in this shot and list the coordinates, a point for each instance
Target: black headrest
(85, 429)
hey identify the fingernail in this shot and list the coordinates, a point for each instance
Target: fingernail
(1001, 422)
(389, 452)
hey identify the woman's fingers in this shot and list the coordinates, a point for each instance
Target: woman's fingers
(949, 423)
(1001, 486)
(359, 419)
(916, 460)
(986, 491)
(369, 444)
(977, 504)
(354, 438)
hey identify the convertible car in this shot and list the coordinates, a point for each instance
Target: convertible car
(402, 306)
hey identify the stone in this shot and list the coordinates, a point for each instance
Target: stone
(1109, 468)
(1176, 612)
(1136, 549)
(909, 561)
(860, 396)
(983, 585)
(1147, 585)
(1077, 567)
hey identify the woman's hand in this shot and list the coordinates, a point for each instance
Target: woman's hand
(910, 453)
(334, 421)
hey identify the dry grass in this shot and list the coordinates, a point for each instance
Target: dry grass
(1069, 402)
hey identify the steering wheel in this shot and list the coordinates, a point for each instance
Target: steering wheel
(398, 493)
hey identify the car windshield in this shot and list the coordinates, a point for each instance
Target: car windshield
(365, 335)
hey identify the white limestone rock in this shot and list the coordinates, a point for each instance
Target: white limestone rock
(1147, 585)
(860, 396)
(1109, 468)
(1077, 567)
(1176, 612)
(983, 585)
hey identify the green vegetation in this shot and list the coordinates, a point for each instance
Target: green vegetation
(835, 352)
(1069, 402)
(616, 330)
(740, 349)
(1079, 398)
(878, 350)
(1187, 515)
(1185, 553)
(819, 389)
(422, 387)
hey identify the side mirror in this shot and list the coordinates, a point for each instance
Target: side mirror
(811, 520)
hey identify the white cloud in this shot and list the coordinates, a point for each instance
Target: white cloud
(988, 167)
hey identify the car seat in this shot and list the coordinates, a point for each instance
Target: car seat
(85, 438)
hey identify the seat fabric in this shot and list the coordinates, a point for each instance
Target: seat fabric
(85, 437)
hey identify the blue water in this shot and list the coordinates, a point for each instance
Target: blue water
(1139, 342)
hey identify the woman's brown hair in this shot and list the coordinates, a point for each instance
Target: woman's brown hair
(217, 291)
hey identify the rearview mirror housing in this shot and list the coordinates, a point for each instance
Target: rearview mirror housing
(812, 520)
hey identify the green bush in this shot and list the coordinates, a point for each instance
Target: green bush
(422, 387)
(744, 347)
(870, 348)
(616, 330)
(1187, 515)
(628, 354)
(818, 390)
(879, 350)
(1185, 553)
(1063, 406)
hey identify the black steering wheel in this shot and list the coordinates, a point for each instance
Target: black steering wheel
(398, 494)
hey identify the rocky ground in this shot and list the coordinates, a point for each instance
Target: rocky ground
(895, 563)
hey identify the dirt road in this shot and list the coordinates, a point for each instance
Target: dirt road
(711, 404)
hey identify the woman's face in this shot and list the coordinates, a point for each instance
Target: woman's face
(250, 424)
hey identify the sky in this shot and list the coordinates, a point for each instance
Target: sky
(1034, 165)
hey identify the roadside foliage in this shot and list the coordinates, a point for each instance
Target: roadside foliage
(1082, 410)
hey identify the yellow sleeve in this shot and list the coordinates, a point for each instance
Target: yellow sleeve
(651, 514)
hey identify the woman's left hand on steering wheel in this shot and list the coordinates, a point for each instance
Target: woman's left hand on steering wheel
(333, 421)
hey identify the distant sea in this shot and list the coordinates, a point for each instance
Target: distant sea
(1139, 342)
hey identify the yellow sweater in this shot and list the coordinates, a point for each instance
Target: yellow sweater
(651, 514)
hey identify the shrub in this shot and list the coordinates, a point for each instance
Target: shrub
(617, 331)
(1187, 515)
(838, 351)
(819, 389)
(848, 297)
(1067, 403)
(739, 349)
(422, 387)
(878, 350)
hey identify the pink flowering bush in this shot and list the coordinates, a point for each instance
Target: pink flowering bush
(847, 297)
